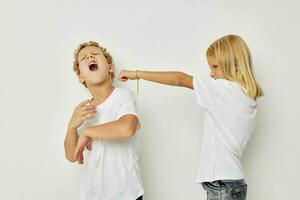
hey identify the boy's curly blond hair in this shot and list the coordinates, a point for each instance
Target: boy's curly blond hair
(106, 54)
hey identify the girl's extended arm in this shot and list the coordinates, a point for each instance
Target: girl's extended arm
(173, 78)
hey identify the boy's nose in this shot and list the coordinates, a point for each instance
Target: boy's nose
(90, 56)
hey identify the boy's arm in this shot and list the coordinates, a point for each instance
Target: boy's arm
(82, 112)
(168, 78)
(122, 128)
(70, 143)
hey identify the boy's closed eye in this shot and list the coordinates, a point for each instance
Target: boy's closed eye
(84, 57)
(81, 59)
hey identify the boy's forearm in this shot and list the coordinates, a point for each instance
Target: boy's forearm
(70, 143)
(168, 78)
(111, 131)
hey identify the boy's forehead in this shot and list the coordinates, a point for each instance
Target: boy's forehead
(88, 49)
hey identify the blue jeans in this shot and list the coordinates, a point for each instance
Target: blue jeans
(226, 189)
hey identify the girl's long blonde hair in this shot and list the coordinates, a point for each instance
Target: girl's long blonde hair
(234, 59)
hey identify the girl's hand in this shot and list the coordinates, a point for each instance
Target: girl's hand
(127, 75)
(82, 112)
(81, 143)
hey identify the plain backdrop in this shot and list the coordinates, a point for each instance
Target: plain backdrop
(39, 90)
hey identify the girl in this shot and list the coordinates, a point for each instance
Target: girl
(229, 102)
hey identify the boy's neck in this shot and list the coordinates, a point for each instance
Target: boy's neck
(101, 92)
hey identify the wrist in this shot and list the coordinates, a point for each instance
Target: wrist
(137, 74)
(85, 132)
(72, 128)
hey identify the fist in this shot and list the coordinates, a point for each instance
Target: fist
(127, 75)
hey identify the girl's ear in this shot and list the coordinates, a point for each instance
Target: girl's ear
(236, 65)
(236, 69)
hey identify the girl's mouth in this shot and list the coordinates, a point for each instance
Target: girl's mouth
(93, 66)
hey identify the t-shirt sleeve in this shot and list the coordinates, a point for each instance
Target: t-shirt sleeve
(128, 105)
(208, 92)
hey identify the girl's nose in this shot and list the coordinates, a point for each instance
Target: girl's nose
(212, 75)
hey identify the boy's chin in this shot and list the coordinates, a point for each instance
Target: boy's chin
(99, 82)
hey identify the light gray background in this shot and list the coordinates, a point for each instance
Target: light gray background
(39, 90)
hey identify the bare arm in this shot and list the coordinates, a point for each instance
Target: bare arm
(123, 128)
(70, 143)
(173, 78)
(81, 113)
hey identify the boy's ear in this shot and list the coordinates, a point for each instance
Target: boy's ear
(111, 68)
(80, 79)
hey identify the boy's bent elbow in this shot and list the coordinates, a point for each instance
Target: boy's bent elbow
(72, 160)
(129, 133)
(129, 125)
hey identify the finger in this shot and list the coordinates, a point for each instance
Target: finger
(89, 145)
(81, 157)
(86, 112)
(78, 157)
(88, 116)
(88, 108)
(76, 154)
(85, 108)
(84, 102)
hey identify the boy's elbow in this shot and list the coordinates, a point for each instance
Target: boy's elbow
(129, 132)
(70, 158)
(129, 125)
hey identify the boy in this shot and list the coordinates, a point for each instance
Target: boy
(106, 126)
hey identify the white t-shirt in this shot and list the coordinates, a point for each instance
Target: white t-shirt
(112, 171)
(228, 123)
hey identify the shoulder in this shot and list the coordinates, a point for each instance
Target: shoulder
(125, 94)
(209, 83)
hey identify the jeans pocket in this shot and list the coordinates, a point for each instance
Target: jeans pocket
(212, 186)
(240, 193)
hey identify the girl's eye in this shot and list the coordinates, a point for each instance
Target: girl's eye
(215, 66)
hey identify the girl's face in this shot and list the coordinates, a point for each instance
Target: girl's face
(93, 66)
(215, 69)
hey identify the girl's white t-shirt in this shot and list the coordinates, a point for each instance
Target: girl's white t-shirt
(228, 123)
(111, 167)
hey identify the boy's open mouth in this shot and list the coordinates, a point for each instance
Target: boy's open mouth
(93, 66)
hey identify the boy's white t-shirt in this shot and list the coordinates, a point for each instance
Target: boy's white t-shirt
(111, 167)
(228, 123)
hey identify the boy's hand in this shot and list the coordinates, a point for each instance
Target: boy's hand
(126, 74)
(81, 143)
(82, 112)
(89, 144)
